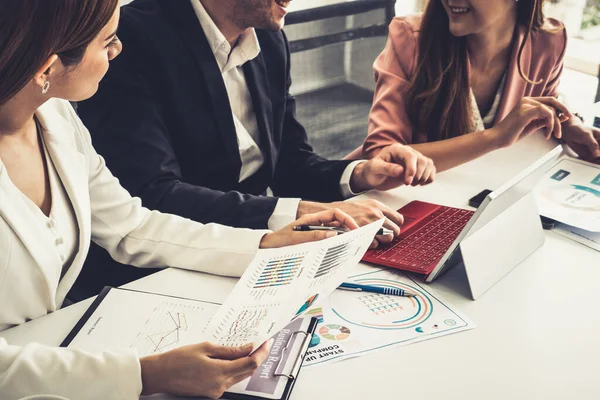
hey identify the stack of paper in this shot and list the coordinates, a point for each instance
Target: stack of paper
(570, 193)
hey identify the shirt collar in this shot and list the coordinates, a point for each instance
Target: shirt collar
(247, 47)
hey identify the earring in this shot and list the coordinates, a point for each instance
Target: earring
(46, 87)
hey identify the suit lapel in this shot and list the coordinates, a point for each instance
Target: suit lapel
(515, 86)
(256, 78)
(71, 168)
(70, 165)
(186, 23)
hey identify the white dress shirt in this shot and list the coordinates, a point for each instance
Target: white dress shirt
(230, 61)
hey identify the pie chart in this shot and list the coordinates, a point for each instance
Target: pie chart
(334, 332)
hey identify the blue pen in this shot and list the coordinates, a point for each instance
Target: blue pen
(376, 289)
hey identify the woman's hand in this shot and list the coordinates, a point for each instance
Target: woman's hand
(203, 369)
(531, 114)
(583, 140)
(287, 236)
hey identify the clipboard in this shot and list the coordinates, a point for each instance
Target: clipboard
(274, 379)
(285, 369)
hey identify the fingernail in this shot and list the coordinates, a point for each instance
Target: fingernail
(330, 234)
(270, 344)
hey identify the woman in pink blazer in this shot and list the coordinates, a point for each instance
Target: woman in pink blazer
(471, 76)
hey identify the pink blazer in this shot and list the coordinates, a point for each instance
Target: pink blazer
(389, 123)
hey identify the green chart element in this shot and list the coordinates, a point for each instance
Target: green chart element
(596, 180)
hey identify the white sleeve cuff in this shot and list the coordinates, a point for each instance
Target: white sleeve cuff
(284, 214)
(345, 181)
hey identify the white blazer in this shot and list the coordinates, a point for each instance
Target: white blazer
(30, 269)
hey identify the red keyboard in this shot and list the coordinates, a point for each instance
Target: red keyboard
(423, 243)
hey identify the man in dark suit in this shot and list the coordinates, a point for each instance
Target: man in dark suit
(195, 118)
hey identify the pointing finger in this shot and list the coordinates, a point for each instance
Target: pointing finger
(410, 167)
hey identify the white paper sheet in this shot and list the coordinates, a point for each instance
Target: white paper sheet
(570, 193)
(152, 324)
(146, 322)
(281, 284)
(589, 239)
(357, 323)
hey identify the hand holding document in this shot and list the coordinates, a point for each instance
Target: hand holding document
(278, 286)
(281, 284)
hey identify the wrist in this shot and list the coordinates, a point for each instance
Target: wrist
(358, 183)
(310, 207)
(264, 241)
(575, 121)
(492, 138)
(152, 376)
(570, 128)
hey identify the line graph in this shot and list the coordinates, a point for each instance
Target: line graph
(166, 328)
(163, 339)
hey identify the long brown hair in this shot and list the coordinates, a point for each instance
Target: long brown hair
(438, 95)
(33, 30)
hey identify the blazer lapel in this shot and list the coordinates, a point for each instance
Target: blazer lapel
(71, 167)
(258, 85)
(185, 21)
(515, 86)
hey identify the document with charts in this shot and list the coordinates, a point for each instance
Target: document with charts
(570, 193)
(281, 284)
(278, 286)
(152, 324)
(357, 323)
(147, 322)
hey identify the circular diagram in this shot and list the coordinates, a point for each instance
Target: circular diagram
(384, 312)
(334, 332)
(574, 197)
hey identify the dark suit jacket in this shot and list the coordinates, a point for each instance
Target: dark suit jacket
(163, 122)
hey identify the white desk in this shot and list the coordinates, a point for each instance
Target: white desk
(538, 334)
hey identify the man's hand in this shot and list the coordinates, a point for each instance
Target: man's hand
(394, 166)
(583, 140)
(363, 212)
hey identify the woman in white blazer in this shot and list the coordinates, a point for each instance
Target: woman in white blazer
(56, 194)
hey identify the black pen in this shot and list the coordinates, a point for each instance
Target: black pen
(306, 228)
